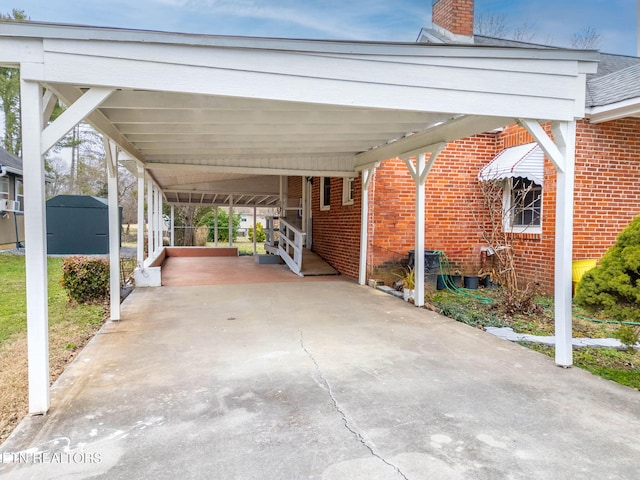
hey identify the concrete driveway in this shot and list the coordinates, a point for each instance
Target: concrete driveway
(318, 380)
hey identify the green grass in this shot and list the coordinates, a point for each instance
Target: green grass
(13, 317)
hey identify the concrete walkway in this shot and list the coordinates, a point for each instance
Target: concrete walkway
(318, 380)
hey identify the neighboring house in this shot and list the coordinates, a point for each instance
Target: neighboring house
(607, 180)
(11, 201)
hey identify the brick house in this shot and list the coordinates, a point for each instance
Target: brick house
(607, 180)
(11, 201)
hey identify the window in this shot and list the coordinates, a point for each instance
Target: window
(325, 193)
(4, 188)
(523, 205)
(348, 190)
(20, 195)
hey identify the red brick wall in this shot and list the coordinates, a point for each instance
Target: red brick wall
(336, 232)
(453, 207)
(455, 16)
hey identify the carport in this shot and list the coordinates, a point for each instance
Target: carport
(196, 111)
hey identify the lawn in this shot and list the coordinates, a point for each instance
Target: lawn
(478, 309)
(70, 327)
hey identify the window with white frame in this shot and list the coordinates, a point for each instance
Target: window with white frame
(20, 195)
(4, 188)
(523, 205)
(348, 189)
(325, 193)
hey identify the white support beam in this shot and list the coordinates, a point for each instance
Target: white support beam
(160, 221)
(150, 241)
(140, 233)
(255, 231)
(36, 248)
(173, 225)
(111, 156)
(565, 135)
(367, 175)
(156, 220)
(73, 115)
(215, 226)
(419, 173)
(548, 147)
(231, 220)
(48, 104)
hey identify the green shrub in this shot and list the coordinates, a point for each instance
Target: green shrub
(613, 287)
(86, 279)
(261, 235)
(208, 219)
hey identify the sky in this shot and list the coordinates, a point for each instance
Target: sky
(375, 20)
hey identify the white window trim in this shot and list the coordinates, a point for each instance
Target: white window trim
(19, 197)
(507, 218)
(5, 193)
(322, 202)
(347, 185)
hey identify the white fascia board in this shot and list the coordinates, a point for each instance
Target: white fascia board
(82, 32)
(14, 51)
(460, 127)
(615, 111)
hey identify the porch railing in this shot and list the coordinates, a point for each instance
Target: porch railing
(272, 231)
(290, 244)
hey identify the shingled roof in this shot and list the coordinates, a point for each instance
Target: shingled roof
(11, 161)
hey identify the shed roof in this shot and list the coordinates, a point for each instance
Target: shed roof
(78, 201)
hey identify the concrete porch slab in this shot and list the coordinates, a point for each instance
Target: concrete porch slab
(318, 380)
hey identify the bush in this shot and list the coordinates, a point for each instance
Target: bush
(613, 288)
(223, 225)
(85, 279)
(261, 235)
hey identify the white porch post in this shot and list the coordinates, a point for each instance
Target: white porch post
(150, 241)
(157, 220)
(255, 231)
(160, 221)
(364, 224)
(231, 220)
(419, 174)
(303, 194)
(111, 154)
(172, 238)
(140, 234)
(36, 248)
(562, 155)
(215, 227)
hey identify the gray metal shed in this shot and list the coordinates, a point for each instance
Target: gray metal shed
(78, 224)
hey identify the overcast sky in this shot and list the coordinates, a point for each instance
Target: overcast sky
(386, 20)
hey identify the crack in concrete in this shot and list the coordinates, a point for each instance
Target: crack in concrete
(343, 415)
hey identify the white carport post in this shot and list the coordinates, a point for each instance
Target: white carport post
(111, 156)
(158, 213)
(231, 220)
(419, 173)
(562, 155)
(255, 231)
(150, 241)
(215, 227)
(367, 174)
(173, 220)
(140, 233)
(36, 248)
(160, 221)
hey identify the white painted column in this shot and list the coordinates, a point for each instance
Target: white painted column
(231, 220)
(303, 194)
(418, 267)
(160, 221)
(140, 234)
(419, 174)
(283, 204)
(565, 135)
(562, 155)
(150, 241)
(215, 227)
(364, 224)
(114, 229)
(255, 231)
(173, 219)
(36, 248)
(157, 221)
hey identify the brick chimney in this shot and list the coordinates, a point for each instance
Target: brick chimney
(455, 17)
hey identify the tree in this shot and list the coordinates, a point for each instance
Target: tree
(586, 39)
(223, 224)
(491, 25)
(10, 95)
(613, 288)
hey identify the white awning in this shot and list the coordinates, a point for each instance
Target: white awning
(522, 161)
